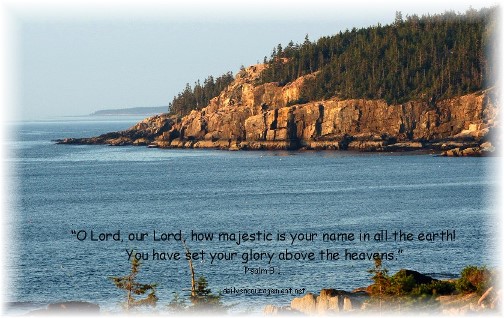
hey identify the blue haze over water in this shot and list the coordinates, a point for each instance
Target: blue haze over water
(61, 188)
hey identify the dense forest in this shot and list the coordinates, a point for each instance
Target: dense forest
(200, 95)
(427, 58)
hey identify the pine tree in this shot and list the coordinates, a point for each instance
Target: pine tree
(381, 280)
(204, 299)
(133, 288)
(417, 58)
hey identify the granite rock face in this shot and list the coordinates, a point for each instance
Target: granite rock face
(250, 116)
(306, 304)
(328, 302)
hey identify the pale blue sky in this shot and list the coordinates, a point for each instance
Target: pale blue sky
(72, 63)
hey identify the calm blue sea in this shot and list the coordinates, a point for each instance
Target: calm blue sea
(61, 188)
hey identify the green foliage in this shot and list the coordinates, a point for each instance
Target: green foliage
(384, 285)
(401, 284)
(418, 58)
(133, 288)
(474, 279)
(199, 96)
(177, 303)
(204, 298)
(425, 58)
(380, 278)
(436, 288)
(402, 290)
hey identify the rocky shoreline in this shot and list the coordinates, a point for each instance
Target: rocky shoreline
(407, 291)
(334, 301)
(246, 116)
(160, 132)
(449, 148)
(476, 291)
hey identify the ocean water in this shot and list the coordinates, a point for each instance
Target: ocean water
(64, 188)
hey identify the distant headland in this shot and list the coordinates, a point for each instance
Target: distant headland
(133, 111)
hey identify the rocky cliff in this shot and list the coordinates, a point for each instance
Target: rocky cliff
(250, 116)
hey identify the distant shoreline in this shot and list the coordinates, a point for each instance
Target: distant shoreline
(133, 111)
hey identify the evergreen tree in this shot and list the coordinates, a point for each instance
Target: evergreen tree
(427, 58)
(417, 58)
(133, 288)
(199, 96)
(204, 299)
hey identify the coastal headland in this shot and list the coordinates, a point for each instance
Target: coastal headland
(262, 117)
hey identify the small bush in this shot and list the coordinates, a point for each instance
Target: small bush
(473, 279)
(436, 288)
(205, 299)
(401, 284)
(442, 287)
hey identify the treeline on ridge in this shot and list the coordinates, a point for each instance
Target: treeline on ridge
(418, 58)
(200, 95)
(428, 58)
